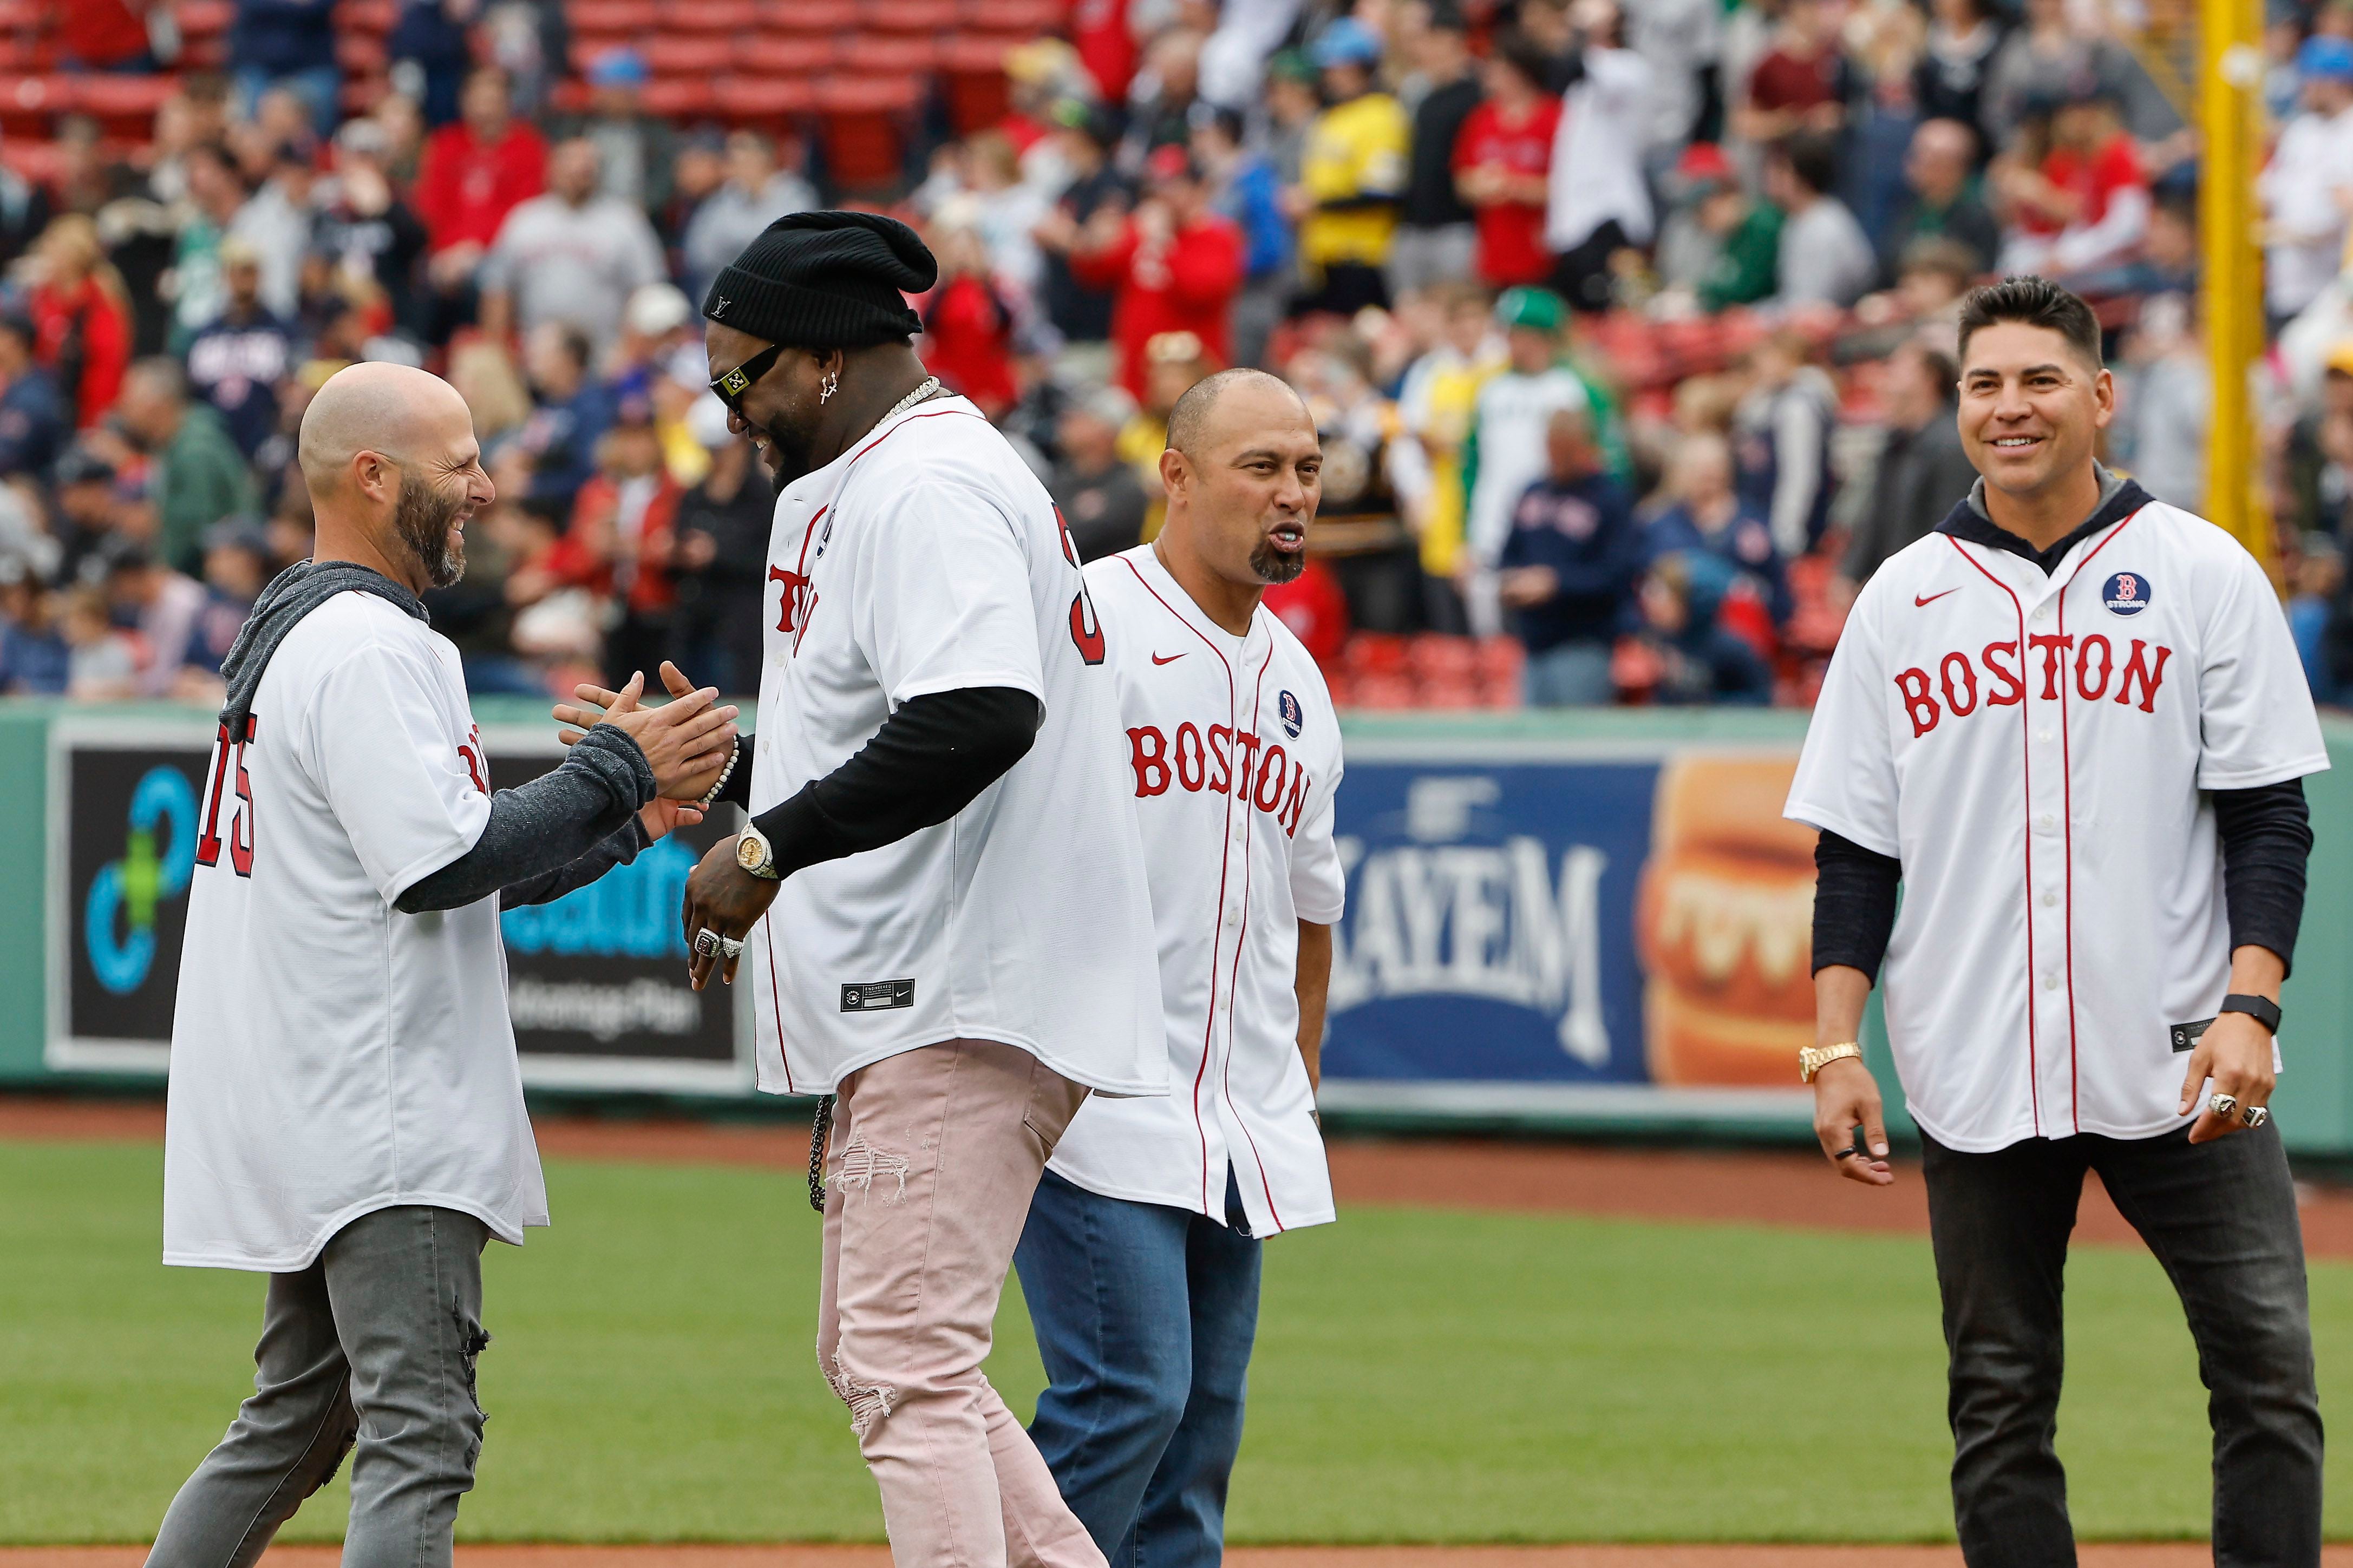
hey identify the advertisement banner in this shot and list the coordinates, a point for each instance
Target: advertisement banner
(1554, 928)
(595, 979)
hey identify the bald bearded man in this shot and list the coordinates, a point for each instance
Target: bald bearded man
(346, 1112)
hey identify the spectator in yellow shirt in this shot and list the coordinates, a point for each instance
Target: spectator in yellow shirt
(1351, 175)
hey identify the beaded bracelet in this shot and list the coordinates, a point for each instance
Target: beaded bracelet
(735, 750)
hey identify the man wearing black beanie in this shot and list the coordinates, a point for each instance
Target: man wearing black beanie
(940, 891)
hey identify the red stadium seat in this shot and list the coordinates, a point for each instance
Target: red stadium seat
(681, 98)
(124, 105)
(569, 96)
(804, 56)
(972, 74)
(809, 16)
(1434, 657)
(28, 103)
(734, 17)
(1388, 693)
(1025, 18)
(23, 15)
(877, 56)
(1375, 653)
(862, 120)
(42, 163)
(764, 104)
(703, 57)
(611, 18)
(913, 19)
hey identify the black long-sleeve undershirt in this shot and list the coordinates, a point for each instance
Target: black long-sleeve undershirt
(929, 760)
(2266, 838)
(540, 830)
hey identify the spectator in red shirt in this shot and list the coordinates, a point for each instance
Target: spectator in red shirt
(622, 535)
(473, 173)
(967, 331)
(81, 317)
(2090, 186)
(1800, 84)
(1174, 265)
(103, 35)
(1501, 160)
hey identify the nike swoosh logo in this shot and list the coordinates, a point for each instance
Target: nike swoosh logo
(1917, 601)
(1166, 657)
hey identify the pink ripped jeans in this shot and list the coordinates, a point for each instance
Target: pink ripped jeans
(934, 1158)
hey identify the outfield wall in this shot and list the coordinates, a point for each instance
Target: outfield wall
(1592, 920)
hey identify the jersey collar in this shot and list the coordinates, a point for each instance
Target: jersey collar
(2119, 499)
(1147, 561)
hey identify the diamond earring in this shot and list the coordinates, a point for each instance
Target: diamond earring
(825, 389)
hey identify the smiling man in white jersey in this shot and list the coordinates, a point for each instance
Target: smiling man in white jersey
(940, 892)
(2071, 723)
(346, 1110)
(1140, 1261)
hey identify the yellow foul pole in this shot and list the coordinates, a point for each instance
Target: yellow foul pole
(2230, 79)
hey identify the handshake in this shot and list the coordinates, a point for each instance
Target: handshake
(689, 741)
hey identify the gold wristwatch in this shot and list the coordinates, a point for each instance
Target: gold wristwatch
(752, 853)
(1812, 1059)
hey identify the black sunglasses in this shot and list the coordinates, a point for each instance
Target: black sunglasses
(732, 386)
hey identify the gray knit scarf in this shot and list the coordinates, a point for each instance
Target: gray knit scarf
(290, 595)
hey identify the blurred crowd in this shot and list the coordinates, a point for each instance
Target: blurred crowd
(1628, 324)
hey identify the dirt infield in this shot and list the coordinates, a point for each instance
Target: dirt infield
(2169, 1554)
(1777, 1188)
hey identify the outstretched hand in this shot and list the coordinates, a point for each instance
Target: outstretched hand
(688, 741)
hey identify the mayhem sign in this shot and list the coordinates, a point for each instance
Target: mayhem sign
(1562, 929)
(595, 980)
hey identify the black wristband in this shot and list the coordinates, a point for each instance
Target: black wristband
(2262, 1009)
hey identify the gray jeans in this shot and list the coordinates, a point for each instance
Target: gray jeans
(374, 1344)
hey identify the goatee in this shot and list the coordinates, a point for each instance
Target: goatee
(422, 520)
(1275, 566)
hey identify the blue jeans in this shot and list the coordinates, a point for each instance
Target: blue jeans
(1145, 1315)
(2221, 1219)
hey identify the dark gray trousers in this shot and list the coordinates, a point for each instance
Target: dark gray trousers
(374, 1345)
(2221, 1218)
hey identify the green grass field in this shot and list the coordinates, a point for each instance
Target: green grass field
(1420, 1376)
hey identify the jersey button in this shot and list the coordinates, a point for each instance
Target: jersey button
(2050, 897)
(2046, 822)
(2042, 612)
(2051, 982)
(2042, 734)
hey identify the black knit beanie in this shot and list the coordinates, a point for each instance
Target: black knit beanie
(825, 281)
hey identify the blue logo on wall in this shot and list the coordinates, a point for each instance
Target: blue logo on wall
(127, 890)
(631, 911)
(1294, 719)
(2126, 593)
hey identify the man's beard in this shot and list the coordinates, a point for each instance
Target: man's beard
(422, 520)
(1273, 567)
(786, 457)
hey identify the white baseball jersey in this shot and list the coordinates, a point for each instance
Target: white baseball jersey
(2035, 750)
(332, 1055)
(928, 558)
(1232, 753)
